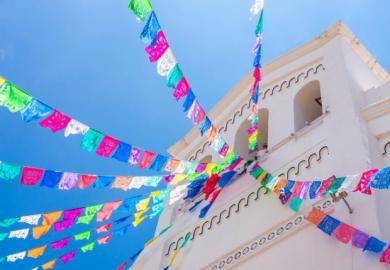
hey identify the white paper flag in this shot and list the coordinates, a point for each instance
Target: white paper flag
(32, 220)
(16, 256)
(75, 127)
(166, 62)
(256, 7)
(21, 234)
(350, 183)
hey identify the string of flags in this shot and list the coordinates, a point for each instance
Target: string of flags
(158, 50)
(94, 141)
(309, 190)
(253, 132)
(37, 252)
(67, 257)
(31, 176)
(150, 205)
(346, 234)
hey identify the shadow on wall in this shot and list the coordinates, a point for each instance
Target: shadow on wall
(307, 105)
(241, 138)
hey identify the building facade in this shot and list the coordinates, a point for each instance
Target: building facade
(324, 111)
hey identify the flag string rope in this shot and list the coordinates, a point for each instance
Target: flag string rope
(84, 215)
(37, 252)
(31, 176)
(159, 51)
(32, 109)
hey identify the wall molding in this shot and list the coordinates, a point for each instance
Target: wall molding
(386, 149)
(305, 163)
(293, 80)
(209, 224)
(266, 239)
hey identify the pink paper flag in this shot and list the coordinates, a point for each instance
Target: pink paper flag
(56, 121)
(107, 210)
(31, 176)
(158, 48)
(104, 240)
(107, 146)
(364, 180)
(67, 257)
(181, 89)
(60, 244)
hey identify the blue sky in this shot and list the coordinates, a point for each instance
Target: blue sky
(85, 58)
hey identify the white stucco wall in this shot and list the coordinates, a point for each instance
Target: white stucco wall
(348, 138)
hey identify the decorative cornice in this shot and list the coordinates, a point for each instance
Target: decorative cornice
(305, 163)
(247, 105)
(293, 80)
(377, 109)
(385, 152)
(266, 239)
(216, 219)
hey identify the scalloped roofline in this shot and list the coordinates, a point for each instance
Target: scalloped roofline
(337, 29)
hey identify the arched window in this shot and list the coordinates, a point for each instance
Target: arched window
(307, 105)
(241, 139)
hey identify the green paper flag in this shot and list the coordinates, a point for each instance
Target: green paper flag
(3, 236)
(85, 219)
(13, 98)
(296, 204)
(259, 27)
(334, 187)
(8, 171)
(91, 140)
(82, 236)
(88, 247)
(140, 8)
(174, 76)
(8, 222)
(92, 210)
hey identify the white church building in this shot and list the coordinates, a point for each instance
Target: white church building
(324, 111)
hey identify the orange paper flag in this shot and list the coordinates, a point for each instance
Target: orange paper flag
(51, 218)
(49, 265)
(38, 231)
(36, 252)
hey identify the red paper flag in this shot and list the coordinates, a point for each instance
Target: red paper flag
(146, 159)
(315, 216)
(344, 233)
(103, 228)
(385, 257)
(86, 181)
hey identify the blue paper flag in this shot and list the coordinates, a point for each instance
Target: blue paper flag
(226, 179)
(328, 225)
(315, 185)
(374, 245)
(103, 181)
(190, 97)
(35, 110)
(381, 179)
(192, 208)
(204, 211)
(152, 27)
(123, 152)
(128, 205)
(257, 60)
(159, 163)
(51, 178)
(204, 125)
